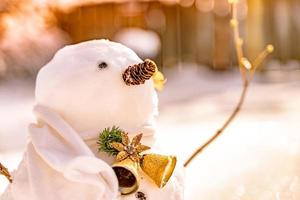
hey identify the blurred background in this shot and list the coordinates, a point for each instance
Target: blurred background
(169, 31)
(191, 41)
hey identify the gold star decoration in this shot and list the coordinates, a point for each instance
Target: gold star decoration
(129, 149)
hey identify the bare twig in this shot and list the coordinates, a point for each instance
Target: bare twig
(247, 70)
(4, 171)
(224, 126)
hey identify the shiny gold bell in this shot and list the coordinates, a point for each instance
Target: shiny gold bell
(130, 162)
(127, 172)
(158, 167)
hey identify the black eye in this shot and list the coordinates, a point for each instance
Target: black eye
(102, 65)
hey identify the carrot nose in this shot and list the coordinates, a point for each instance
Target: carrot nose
(139, 73)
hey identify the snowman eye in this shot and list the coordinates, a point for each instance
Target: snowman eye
(102, 65)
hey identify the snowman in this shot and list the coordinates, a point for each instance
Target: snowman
(84, 89)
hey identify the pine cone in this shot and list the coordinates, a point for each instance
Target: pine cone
(139, 73)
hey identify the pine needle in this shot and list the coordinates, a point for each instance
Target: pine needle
(106, 137)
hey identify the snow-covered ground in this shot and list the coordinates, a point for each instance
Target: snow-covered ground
(258, 157)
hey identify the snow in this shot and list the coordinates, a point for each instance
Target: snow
(256, 158)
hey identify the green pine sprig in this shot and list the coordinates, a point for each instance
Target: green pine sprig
(106, 137)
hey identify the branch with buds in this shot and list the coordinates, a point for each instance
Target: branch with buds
(247, 71)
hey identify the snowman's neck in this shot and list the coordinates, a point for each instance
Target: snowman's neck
(47, 116)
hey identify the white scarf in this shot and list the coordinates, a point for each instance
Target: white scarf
(59, 165)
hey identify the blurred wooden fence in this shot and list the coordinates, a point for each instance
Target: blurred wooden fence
(192, 31)
(191, 35)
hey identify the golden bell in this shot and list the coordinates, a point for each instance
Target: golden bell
(158, 167)
(128, 175)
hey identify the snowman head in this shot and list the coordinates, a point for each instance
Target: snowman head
(92, 87)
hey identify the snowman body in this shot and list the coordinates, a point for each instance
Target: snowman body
(79, 93)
